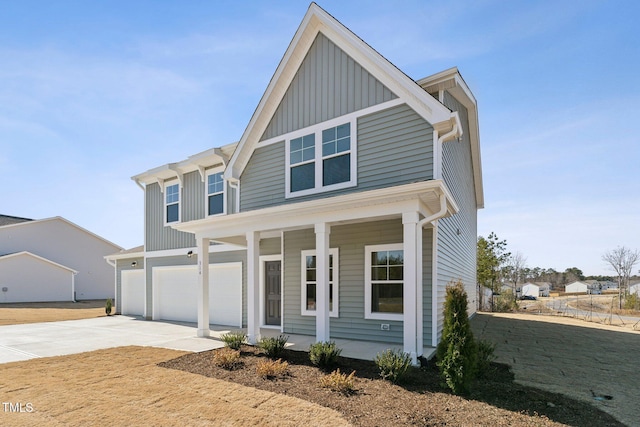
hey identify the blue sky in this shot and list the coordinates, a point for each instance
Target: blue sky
(92, 93)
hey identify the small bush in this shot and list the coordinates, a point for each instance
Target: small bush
(504, 302)
(457, 350)
(227, 358)
(324, 354)
(270, 369)
(632, 302)
(485, 356)
(273, 346)
(108, 306)
(339, 382)
(234, 340)
(393, 364)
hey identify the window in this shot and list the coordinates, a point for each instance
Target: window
(384, 280)
(215, 194)
(321, 159)
(172, 203)
(309, 282)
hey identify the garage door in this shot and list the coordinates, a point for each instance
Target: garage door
(175, 294)
(132, 292)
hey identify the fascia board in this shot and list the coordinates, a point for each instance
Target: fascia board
(317, 20)
(39, 258)
(367, 204)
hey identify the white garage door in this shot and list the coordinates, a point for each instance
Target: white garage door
(132, 292)
(176, 294)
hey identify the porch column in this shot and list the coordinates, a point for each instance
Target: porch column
(323, 231)
(203, 287)
(253, 283)
(410, 291)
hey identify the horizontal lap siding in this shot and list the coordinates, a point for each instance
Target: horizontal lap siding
(157, 235)
(427, 284)
(395, 147)
(328, 84)
(350, 241)
(457, 251)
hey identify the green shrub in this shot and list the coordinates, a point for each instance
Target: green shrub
(234, 340)
(227, 358)
(457, 351)
(504, 302)
(108, 306)
(273, 346)
(339, 382)
(485, 356)
(393, 364)
(632, 302)
(271, 369)
(324, 354)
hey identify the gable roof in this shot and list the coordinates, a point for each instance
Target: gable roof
(8, 220)
(318, 20)
(36, 257)
(66, 221)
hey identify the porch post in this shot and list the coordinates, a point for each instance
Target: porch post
(203, 287)
(322, 281)
(409, 304)
(253, 283)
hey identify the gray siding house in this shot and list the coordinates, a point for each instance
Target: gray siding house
(346, 207)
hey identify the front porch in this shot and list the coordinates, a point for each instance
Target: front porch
(355, 349)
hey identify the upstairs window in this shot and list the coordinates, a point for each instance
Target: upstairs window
(215, 194)
(322, 158)
(172, 203)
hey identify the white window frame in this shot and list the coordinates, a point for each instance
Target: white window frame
(368, 250)
(318, 158)
(210, 172)
(166, 185)
(334, 252)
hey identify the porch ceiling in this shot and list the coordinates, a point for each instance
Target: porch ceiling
(422, 197)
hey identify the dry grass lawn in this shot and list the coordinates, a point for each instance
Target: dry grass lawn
(123, 386)
(36, 312)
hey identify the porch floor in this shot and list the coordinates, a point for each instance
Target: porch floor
(356, 349)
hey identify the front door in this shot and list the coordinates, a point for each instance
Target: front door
(272, 292)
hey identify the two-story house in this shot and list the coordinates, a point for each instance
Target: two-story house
(346, 207)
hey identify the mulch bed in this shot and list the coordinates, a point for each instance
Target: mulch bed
(495, 400)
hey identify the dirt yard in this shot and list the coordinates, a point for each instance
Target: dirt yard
(36, 312)
(124, 386)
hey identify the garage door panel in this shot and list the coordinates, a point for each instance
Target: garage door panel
(132, 292)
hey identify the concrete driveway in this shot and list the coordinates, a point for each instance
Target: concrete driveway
(29, 341)
(586, 361)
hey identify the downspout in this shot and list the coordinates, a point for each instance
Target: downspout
(235, 184)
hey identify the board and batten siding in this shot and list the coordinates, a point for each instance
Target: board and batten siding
(457, 235)
(124, 265)
(395, 147)
(350, 240)
(328, 84)
(157, 235)
(180, 260)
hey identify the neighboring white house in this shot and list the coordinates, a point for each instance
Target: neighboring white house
(634, 289)
(52, 259)
(529, 289)
(545, 288)
(576, 288)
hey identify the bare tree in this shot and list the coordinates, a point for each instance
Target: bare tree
(622, 261)
(514, 269)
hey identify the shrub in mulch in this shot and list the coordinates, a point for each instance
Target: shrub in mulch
(227, 358)
(272, 369)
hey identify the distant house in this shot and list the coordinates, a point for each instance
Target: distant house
(635, 288)
(530, 289)
(608, 284)
(577, 288)
(545, 288)
(52, 259)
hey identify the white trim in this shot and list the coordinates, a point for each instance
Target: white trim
(434, 285)
(333, 252)
(319, 158)
(208, 173)
(225, 247)
(165, 205)
(368, 314)
(263, 259)
(39, 258)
